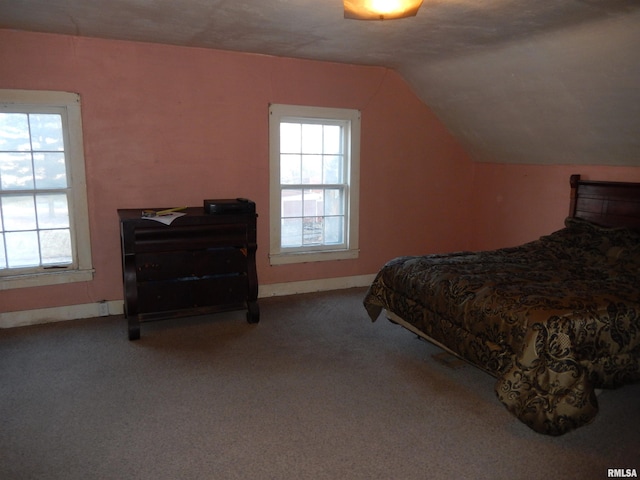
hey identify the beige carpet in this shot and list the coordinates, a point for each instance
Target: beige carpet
(314, 391)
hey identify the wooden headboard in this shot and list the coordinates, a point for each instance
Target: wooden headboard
(610, 204)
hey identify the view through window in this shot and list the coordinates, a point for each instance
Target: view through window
(312, 184)
(33, 191)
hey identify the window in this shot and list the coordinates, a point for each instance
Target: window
(314, 159)
(44, 231)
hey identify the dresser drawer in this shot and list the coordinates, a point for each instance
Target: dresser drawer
(191, 293)
(188, 237)
(199, 263)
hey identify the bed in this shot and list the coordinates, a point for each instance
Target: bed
(553, 319)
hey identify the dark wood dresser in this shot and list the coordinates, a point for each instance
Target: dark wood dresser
(200, 263)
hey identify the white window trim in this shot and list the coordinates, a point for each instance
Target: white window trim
(79, 211)
(276, 113)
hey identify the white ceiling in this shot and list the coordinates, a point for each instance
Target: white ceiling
(524, 81)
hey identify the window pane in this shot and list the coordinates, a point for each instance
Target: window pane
(53, 211)
(313, 203)
(19, 213)
(50, 170)
(312, 230)
(46, 132)
(332, 139)
(332, 169)
(291, 232)
(56, 247)
(16, 172)
(290, 138)
(290, 173)
(311, 169)
(22, 249)
(291, 203)
(333, 201)
(334, 230)
(311, 138)
(14, 132)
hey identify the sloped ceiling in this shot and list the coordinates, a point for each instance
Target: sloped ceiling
(522, 81)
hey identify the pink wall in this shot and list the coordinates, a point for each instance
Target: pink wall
(166, 126)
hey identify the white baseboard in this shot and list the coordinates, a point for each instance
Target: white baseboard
(116, 307)
(60, 314)
(308, 286)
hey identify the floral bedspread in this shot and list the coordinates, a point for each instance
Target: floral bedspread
(552, 319)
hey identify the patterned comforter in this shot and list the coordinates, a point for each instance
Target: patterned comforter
(552, 319)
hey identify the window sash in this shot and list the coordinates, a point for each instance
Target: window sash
(309, 215)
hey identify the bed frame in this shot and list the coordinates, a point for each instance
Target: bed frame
(610, 204)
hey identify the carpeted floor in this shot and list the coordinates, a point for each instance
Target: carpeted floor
(314, 391)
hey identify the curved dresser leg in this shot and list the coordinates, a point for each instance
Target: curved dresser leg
(253, 312)
(134, 329)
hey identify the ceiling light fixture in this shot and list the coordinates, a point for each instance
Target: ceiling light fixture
(380, 9)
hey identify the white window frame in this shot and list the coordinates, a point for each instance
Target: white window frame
(279, 113)
(81, 268)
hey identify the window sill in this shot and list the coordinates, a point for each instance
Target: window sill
(308, 257)
(42, 279)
